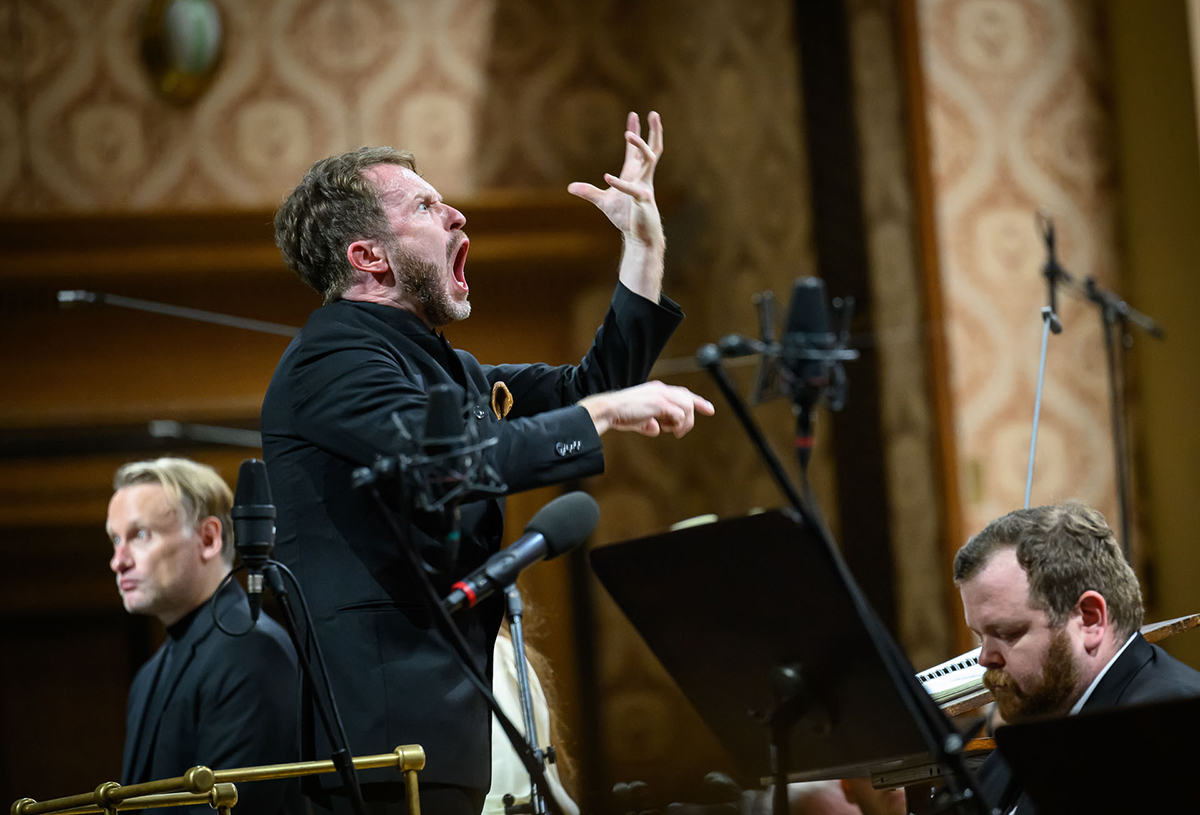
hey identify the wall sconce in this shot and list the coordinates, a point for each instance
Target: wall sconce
(182, 44)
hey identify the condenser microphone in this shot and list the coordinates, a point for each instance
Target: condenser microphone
(254, 527)
(735, 345)
(807, 330)
(443, 462)
(805, 335)
(445, 421)
(558, 527)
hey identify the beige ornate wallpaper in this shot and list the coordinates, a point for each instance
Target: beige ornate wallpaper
(1020, 119)
(495, 94)
(81, 129)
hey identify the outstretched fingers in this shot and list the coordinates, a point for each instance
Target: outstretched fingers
(656, 133)
(588, 192)
(634, 189)
(632, 154)
(647, 159)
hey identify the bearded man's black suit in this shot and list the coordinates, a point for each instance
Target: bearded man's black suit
(328, 411)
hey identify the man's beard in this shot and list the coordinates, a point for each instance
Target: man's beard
(425, 282)
(1060, 676)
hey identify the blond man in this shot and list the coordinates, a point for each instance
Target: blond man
(205, 697)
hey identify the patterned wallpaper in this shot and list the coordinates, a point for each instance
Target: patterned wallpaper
(81, 129)
(1020, 118)
(532, 93)
(488, 94)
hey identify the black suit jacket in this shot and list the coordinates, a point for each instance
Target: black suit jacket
(225, 702)
(1142, 673)
(327, 411)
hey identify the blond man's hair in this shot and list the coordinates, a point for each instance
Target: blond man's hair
(196, 489)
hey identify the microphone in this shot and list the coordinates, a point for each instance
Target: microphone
(735, 345)
(807, 329)
(805, 337)
(254, 527)
(708, 356)
(1052, 271)
(444, 459)
(560, 526)
(446, 463)
(445, 422)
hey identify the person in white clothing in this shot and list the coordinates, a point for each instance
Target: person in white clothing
(509, 776)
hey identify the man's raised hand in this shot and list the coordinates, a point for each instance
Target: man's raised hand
(629, 200)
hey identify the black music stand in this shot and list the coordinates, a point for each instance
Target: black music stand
(733, 610)
(1120, 760)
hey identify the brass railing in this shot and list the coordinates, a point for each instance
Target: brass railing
(200, 785)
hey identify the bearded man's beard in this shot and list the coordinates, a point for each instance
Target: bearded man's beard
(1060, 676)
(425, 282)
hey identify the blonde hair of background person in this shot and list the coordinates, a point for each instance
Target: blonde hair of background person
(195, 488)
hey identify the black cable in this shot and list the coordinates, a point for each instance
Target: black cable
(459, 645)
(331, 718)
(213, 607)
(342, 758)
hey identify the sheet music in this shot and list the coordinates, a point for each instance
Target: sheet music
(954, 678)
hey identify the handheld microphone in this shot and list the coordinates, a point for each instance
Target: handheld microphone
(254, 527)
(558, 527)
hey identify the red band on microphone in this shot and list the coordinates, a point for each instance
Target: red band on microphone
(467, 590)
(804, 442)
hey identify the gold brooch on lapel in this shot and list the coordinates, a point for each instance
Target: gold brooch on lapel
(502, 400)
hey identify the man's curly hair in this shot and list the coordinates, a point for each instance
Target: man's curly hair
(333, 206)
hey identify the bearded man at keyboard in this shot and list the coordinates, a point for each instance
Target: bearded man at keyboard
(1057, 610)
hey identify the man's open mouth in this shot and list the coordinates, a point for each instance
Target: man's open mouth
(458, 263)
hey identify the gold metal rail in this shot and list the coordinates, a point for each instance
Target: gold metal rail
(200, 785)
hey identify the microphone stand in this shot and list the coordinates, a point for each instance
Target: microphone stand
(944, 743)
(1050, 323)
(1115, 315)
(516, 613)
(709, 358)
(70, 297)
